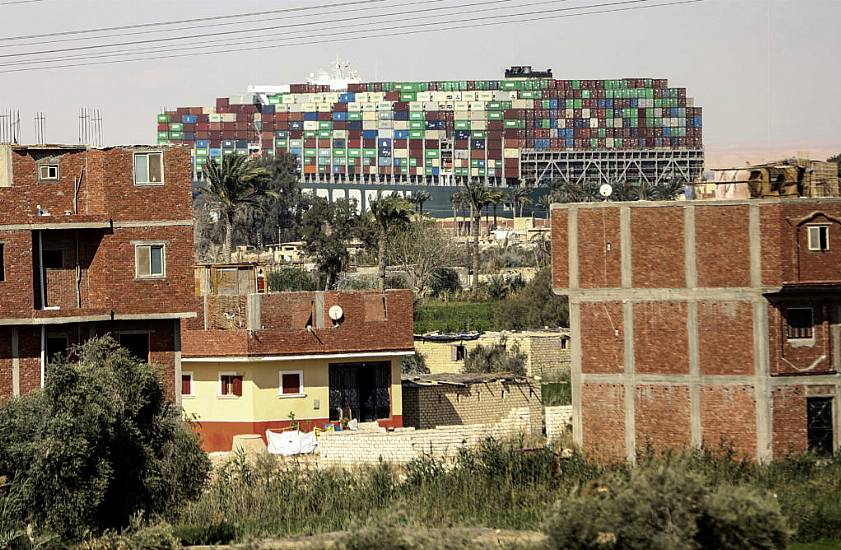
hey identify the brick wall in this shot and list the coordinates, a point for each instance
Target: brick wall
(405, 444)
(547, 359)
(681, 337)
(429, 406)
(284, 317)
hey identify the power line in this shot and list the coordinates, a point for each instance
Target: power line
(210, 43)
(179, 21)
(257, 29)
(437, 28)
(224, 24)
(10, 2)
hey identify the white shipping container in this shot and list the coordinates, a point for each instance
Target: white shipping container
(477, 115)
(617, 122)
(354, 107)
(369, 115)
(369, 124)
(491, 163)
(478, 125)
(485, 95)
(461, 154)
(384, 124)
(215, 117)
(569, 113)
(324, 107)
(523, 104)
(385, 132)
(477, 106)
(511, 153)
(430, 105)
(401, 124)
(424, 96)
(310, 125)
(229, 117)
(468, 96)
(400, 153)
(461, 115)
(608, 143)
(462, 106)
(594, 123)
(384, 105)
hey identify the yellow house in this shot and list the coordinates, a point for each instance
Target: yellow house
(547, 351)
(299, 360)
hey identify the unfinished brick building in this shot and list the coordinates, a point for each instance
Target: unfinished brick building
(93, 241)
(703, 323)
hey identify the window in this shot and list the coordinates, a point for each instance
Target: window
(230, 384)
(150, 260)
(800, 321)
(137, 345)
(186, 384)
(819, 430)
(291, 384)
(2, 264)
(48, 172)
(148, 169)
(458, 352)
(818, 237)
(53, 259)
(56, 348)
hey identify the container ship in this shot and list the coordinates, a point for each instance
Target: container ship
(357, 139)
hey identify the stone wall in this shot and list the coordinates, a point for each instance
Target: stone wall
(558, 421)
(549, 357)
(405, 444)
(430, 406)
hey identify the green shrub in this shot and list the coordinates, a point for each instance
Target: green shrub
(211, 533)
(291, 279)
(99, 444)
(496, 358)
(665, 506)
(737, 517)
(414, 364)
(556, 393)
(444, 281)
(535, 306)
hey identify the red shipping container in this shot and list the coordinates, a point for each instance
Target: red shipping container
(268, 144)
(432, 144)
(393, 95)
(324, 143)
(369, 143)
(461, 144)
(401, 143)
(355, 143)
(310, 143)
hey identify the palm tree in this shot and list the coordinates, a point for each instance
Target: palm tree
(545, 202)
(457, 200)
(519, 196)
(389, 213)
(495, 196)
(478, 196)
(418, 198)
(234, 185)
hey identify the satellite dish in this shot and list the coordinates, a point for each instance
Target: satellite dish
(605, 190)
(335, 312)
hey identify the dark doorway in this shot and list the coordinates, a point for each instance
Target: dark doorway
(360, 389)
(56, 348)
(137, 345)
(819, 425)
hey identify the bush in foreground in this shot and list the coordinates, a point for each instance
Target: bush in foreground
(100, 444)
(665, 507)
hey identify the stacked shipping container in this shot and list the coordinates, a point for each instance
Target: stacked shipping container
(453, 128)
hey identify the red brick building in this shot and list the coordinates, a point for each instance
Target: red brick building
(261, 361)
(93, 241)
(703, 323)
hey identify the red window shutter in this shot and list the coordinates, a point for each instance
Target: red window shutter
(224, 390)
(237, 385)
(186, 388)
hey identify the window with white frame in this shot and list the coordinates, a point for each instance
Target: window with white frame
(187, 384)
(150, 260)
(230, 384)
(800, 322)
(149, 168)
(48, 171)
(291, 383)
(818, 237)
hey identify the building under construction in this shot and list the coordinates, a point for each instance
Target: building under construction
(354, 140)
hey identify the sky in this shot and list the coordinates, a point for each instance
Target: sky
(764, 71)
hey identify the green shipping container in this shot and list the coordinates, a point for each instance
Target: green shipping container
(163, 118)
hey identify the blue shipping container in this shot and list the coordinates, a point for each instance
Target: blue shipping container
(310, 116)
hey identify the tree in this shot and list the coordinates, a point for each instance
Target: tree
(535, 306)
(519, 197)
(545, 202)
(327, 229)
(457, 200)
(99, 444)
(496, 358)
(279, 219)
(835, 158)
(414, 364)
(496, 196)
(389, 214)
(235, 185)
(478, 196)
(421, 249)
(418, 198)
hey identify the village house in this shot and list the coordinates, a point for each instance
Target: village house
(547, 351)
(93, 241)
(262, 362)
(704, 323)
